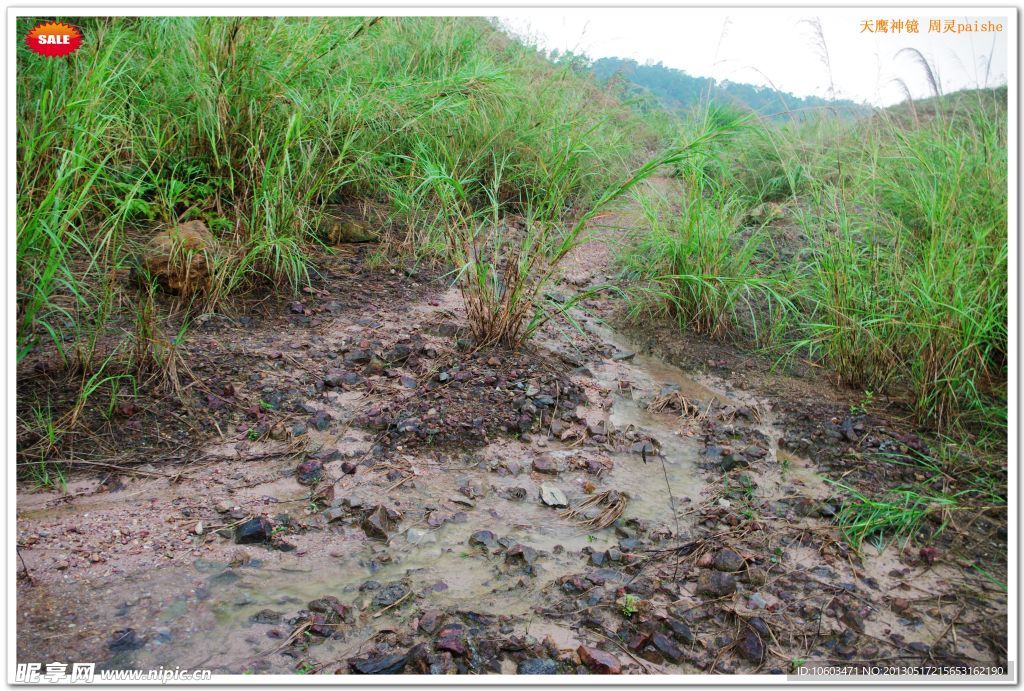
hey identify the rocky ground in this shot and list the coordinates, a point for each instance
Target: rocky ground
(346, 485)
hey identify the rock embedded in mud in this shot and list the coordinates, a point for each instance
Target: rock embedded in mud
(462, 501)
(750, 647)
(378, 523)
(521, 553)
(390, 594)
(253, 531)
(547, 465)
(552, 496)
(537, 665)
(310, 472)
(266, 616)
(452, 638)
(666, 647)
(430, 621)
(334, 377)
(125, 639)
(716, 584)
(320, 420)
(681, 631)
(484, 538)
(728, 560)
(385, 664)
(598, 661)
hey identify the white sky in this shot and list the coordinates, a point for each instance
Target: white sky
(776, 46)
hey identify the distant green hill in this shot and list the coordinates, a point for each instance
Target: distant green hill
(678, 90)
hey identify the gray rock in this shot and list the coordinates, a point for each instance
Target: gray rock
(728, 560)
(334, 377)
(521, 554)
(546, 464)
(751, 647)
(666, 647)
(389, 594)
(537, 665)
(483, 538)
(681, 631)
(716, 584)
(253, 530)
(552, 496)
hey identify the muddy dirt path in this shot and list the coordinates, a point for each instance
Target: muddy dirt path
(377, 498)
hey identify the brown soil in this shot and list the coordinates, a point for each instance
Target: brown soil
(402, 472)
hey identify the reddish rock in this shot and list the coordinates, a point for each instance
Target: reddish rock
(430, 621)
(598, 661)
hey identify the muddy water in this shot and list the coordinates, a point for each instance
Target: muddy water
(200, 616)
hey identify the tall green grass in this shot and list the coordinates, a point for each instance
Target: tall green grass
(907, 283)
(898, 282)
(254, 125)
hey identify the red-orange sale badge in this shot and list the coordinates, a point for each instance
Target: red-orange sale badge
(54, 39)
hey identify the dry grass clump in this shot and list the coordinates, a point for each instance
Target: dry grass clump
(599, 510)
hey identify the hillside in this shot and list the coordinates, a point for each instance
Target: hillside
(680, 91)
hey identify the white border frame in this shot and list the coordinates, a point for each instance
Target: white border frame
(457, 8)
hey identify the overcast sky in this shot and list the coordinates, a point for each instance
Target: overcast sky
(778, 46)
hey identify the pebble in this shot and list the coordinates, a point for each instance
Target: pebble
(310, 472)
(751, 647)
(254, 530)
(716, 584)
(537, 665)
(545, 464)
(552, 496)
(598, 661)
(728, 560)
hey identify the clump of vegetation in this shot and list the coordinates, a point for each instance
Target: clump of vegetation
(899, 280)
(250, 127)
(906, 285)
(690, 258)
